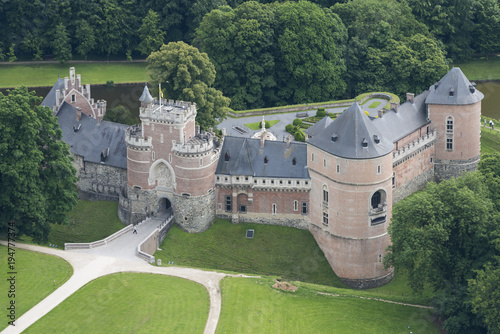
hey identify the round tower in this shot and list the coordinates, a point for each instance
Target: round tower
(454, 107)
(350, 164)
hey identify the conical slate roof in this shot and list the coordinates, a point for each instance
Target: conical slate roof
(146, 96)
(453, 89)
(319, 126)
(353, 136)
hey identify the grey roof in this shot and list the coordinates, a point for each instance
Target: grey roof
(146, 96)
(350, 130)
(410, 116)
(247, 158)
(50, 99)
(92, 138)
(319, 126)
(457, 82)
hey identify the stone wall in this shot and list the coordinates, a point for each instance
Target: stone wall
(99, 182)
(136, 204)
(412, 186)
(446, 169)
(150, 245)
(289, 220)
(194, 214)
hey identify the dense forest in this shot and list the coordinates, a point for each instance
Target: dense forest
(266, 53)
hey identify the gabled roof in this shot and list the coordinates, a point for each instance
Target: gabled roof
(50, 99)
(245, 157)
(92, 138)
(455, 81)
(353, 136)
(409, 117)
(319, 126)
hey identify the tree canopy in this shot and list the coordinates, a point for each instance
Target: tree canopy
(37, 177)
(441, 236)
(187, 74)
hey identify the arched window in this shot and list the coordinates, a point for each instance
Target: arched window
(325, 194)
(376, 199)
(449, 124)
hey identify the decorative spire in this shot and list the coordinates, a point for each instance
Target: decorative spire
(146, 97)
(263, 124)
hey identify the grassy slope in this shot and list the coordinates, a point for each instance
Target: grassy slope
(92, 73)
(481, 69)
(89, 221)
(35, 278)
(130, 303)
(490, 141)
(252, 306)
(275, 250)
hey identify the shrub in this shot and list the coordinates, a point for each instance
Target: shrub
(268, 124)
(110, 83)
(321, 112)
(297, 121)
(289, 128)
(299, 136)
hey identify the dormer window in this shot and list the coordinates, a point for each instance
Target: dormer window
(364, 143)
(452, 91)
(294, 161)
(335, 136)
(376, 139)
(227, 156)
(265, 159)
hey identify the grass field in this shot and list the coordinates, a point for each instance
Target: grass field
(258, 125)
(37, 276)
(374, 104)
(130, 303)
(490, 140)
(480, 68)
(284, 252)
(92, 73)
(253, 306)
(89, 221)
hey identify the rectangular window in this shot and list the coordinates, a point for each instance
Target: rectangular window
(228, 203)
(243, 208)
(325, 218)
(379, 169)
(325, 195)
(324, 162)
(170, 157)
(201, 162)
(393, 179)
(73, 98)
(338, 168)
(274, 209)
(449, 144)
(312, 156)
(304, 208)
(295, 205)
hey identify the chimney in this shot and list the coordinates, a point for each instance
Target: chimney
(88, 91)
(78, 113)
(410, 97)
(58, 97)
(380, 113)
(394, 106)
(196, 130)
(262, 140)
(79, 79)
(288, 140)
(72, 75)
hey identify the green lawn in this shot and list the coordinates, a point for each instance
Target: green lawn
(490, 140)
(89, 221)
(92, 73)
(251, 305)
(480, 68)
(130, 303)
(258, 125)
(374, 104)
(35, 276)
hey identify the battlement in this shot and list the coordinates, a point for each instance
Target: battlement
(169, 111)
(414, 147)
(135, 140)
(201, 144)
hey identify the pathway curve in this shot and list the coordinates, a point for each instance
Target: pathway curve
(117, 256)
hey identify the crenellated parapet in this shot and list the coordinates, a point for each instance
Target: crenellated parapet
(172, 112)
(201, 145)
(413, 148)
(135, 140)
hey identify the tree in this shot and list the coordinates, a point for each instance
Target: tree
(61, 44)
(150, 33)
(440, 236)
(187, 74)
(310, 65)
(37, 177)
(120, 114)
(86, 38)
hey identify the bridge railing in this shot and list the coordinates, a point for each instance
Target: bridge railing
(102, 242)
(159, 234)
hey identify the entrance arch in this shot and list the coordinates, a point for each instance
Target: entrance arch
(164, 205)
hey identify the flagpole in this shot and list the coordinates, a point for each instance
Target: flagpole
(159, 92)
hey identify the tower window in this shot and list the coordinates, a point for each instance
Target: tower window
(325, 194)
(324, 162)
(449, 124)
(304, 208)
(449, 144)
(170, 157)
(338, 169)
(376, 199)
(312, 156)
(201, 162)
(274, 209)
(394, 179)
(295, 205)
(228, 203)
(161, 138)
(325, 218)
(379, 169)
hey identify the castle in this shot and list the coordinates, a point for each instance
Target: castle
(340, 184)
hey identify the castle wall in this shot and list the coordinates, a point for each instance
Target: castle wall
(194, 214)
(412, 136)
(99, 182)
(446, 169)
(259, 206)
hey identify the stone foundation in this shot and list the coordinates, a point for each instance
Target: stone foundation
(194, 214)
(368, 283)
(447, 169)
(412, 186)
(296, 221)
